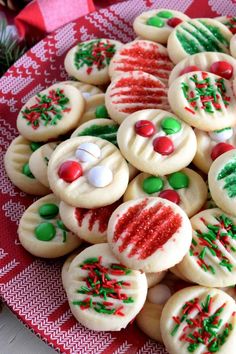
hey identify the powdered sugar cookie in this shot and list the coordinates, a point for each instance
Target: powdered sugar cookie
(87, 90)
(51, 113)
(233, 46)
(151, 234)
(228, 21)
(211, 260)
(88, 172)
(156, 141)
(16, 161)
(198, 35)
(146, 56)
(157, 25)
(201, 320)
(221, 179)
(211, 145)
(185, 188)
(89, 61)
(41, 231)
(133, 92)
(205, 101)
(103, 294)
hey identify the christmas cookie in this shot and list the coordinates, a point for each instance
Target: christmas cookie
(134, 91)
(198, 35)
(157, 25)
(222, 181)
(156, 141)
(211, 145)
(185, 188)
(228, 21)
(88, 172)
(89, 61)
(233, 46)
(94, 108)
(154, 278)
(211, 260)
(16, 163)
(41, 231)
(89, 224)
(199, 320)
(65, 268)
(51, 113)
(103, 294)
(216, 63)
(87, 90)
(146, 56)
(205, 101)
(150, 234)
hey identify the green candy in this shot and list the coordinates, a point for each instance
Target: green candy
(35, 146)
(152, 184)
(48, 211)
(170, 125)
(178, 180)
(26, 171)
(45, 231)
(155, 21)
(165, 14)
(101, 112)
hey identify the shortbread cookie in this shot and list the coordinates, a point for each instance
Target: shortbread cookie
(146, 56)
(88, 172)
(228, 21)
(87, 90)
(198, 35)
(185, 188)
(151, 234)
(205, 101)
(211, 260)
(175, 270)
(157, 25)
(39, 159)
(65, 268)
(89, 224)
(89, 61)
(222, 182)
(134, 91)
(103, 294)
(216, 63)
(211, 145)
(51, 113)
(199, 320)
(233, 46)
(41, 231)
(16, 161)
(156, 141)
(154, 278)
(94, 108)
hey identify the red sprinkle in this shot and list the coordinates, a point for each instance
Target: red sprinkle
(163, 145)
(220, 149)
(145, 128)
(223, 69)
(69, 171)
(174, 21)
(189, 110)
(170, 195)
(189, 69)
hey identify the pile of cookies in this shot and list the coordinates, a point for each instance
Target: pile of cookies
(125, 170)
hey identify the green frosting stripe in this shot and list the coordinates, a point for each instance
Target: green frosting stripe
(215, 31)
(228, 173)
(107, 132)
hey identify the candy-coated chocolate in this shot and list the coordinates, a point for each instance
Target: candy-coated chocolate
(163, 145)
(171, 195)
(26, 171)
(189, 69)
(69, 171)
(223, 69)
(48, 211)
(45, 231)
(220, 149)
(88, 152)
(178, 180)
(165, 14)
(153, 184)
(173, 22)
(221, 135)
(170, 125)
(155, 21)
(100, 176)
(35, 146)
(101, 112)
(145, 128)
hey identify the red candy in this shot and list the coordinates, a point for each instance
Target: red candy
(144, 128)
(170, 195)
(223, 69)
(220, 149)
(189, 69)
(174, 21)
(69, 171)
(163, 145)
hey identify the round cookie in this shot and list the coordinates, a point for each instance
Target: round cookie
(211, 145)
(233, 46)
(156, 141)
(216, 63)
(205, 101)
(222, 182)
(88, 172)
(198, 35)
(94, 108)
(134, 91)
(41, 231)
(146, 56)
(86, 90)
(89, 224)
(199, 320)
(150, 234)
(39, 159)
(185, 188)
(88, 61)
(211, 260)
(65, 268)
(157, 25)
(51, 113)
(228, 21)
(103, 294)
(16, 162)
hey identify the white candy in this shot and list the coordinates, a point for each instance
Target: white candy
(86, 94)
(100, 176)
(223, 135)
(88, 152)
(159, 294)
